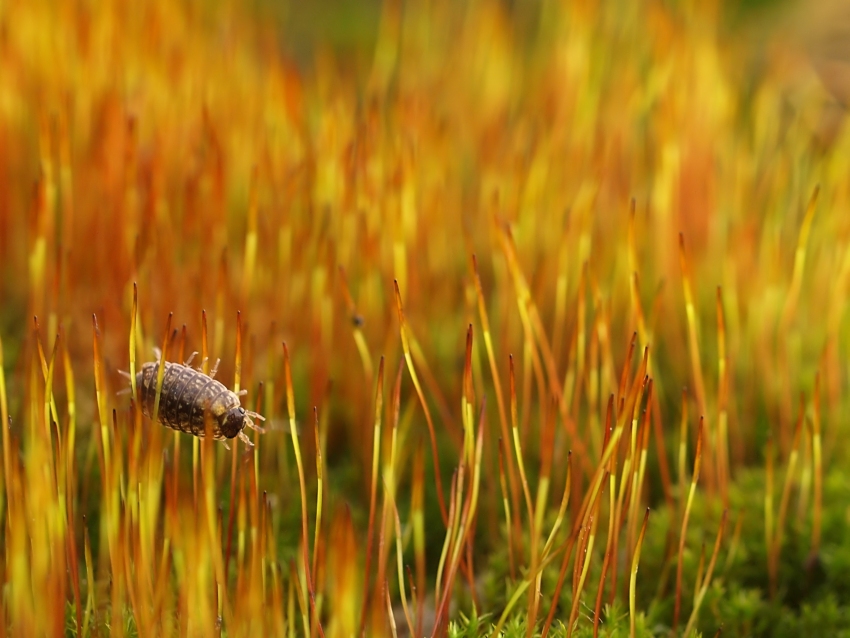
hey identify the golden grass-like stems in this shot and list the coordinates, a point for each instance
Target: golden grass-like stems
(609, 543)
(606, 376)
(633, 576)
(319, 490)
(558, 324)
(587, 553)
(506, 504)
(356, 323)
(388, 477)
(467, 402)
(237, 382)
(547, 446)
(390, 615)
(205, 352)
(400, 561)
(161, 370)
(303, 605)
(223, 285)
(405, 342)
(455, 530)
(49, 403)
(791, 299)
(631, 249)
(417, 516)
(497, 385)
(110, 518)
(699, 574)
(212, 526)
(465, 525)
(768, 516)
(518, 446)
(237, 361)
(433, 386)
(445, 557)
(683, 533)
(693, 327)
(790, 471)
(703, 589)
(639, 470)
(562, 510)
(683, 448)
(258, 444)
(628, 478)
(532, 601)
(205, 368)
(818, 470)
(613, 444)
(133, 348)
(373, 489)
(250, 255)
(535, 336)
(90, 582)
(4, 426)
(38, 247)
(566, 549)
(231, 516)
(722, 445)
(70, 478)
(305, 538)
(624, 375)
(581, 335)
(646, 338)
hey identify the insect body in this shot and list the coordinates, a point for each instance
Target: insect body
(189, 398)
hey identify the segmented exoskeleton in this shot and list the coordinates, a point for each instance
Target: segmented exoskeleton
(189, 398)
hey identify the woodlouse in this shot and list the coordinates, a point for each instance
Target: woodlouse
(189, 397)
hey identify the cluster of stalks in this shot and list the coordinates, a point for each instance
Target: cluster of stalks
(425, 271)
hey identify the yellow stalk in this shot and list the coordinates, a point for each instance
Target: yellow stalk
(633, 577)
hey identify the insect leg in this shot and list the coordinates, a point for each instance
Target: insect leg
(157, 353)
(188, 361)
(244, 438)
(127, 376)
(253, 425)
(215, 369)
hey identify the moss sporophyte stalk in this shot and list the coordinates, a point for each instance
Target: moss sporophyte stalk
(530, 319)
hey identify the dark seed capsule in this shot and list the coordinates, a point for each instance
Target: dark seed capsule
(189, 398)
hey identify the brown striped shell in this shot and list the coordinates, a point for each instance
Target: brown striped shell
(189, 397)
